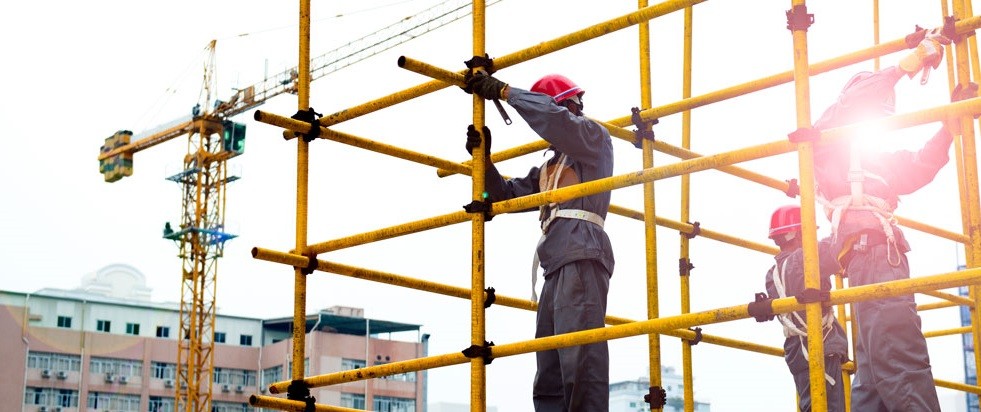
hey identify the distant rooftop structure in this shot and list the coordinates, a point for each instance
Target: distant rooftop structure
(342, 319)
(117, 281)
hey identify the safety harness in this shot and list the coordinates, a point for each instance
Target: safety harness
(553, 177)
(857, 200)
(790, 328)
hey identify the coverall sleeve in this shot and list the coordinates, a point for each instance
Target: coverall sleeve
(908, 171)
(498, 188)
(576, 136)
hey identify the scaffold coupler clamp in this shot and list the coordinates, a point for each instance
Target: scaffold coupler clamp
(475, 351)
(491, 297)
(949, 30)
(485, 64)
(309, 116)
(804, 134)
(798, 18)
(811, 295)
(685, 266)
(696, 229)
(657, 397)
(762, 308)
(644, 129)
(793, 189)
(299, 391)
(311, 266)
(698, 336)
(480, 206)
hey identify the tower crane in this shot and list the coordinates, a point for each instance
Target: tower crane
(213, 139)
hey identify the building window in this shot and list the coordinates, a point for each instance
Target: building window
(272, 375)
(393, 404)
(66, 398)
(245, 340)
(229, 407)
(113, 401)
(120, 367)
(402, 377)
(132, 328)
(160, 370)
(161, 404)
(64, 321)
(219, 337)
(54, 361)
(352, 400)
(102, 325)
(235, 377)
(163, 332)
(306, 366)
(348, 364)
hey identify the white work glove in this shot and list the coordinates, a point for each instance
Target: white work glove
(926, 56)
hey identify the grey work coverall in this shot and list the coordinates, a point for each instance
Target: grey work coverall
(795, 348)
(893, 366)
(576, 256)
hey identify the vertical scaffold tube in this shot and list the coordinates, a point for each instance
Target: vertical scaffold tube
(965, 59)
(846, 377)
(650, 228)
(805, 150)
(684, 265)
(478, 370)
(302, 169)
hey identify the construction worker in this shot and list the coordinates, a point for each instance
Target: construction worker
(574, 251)
(786, 278)
(859, 192)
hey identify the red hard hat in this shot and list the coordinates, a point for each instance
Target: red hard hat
(557, 86)
(785, 219)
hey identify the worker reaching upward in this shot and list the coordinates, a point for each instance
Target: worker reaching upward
(859, 192)
(574, 250)
(786, 278)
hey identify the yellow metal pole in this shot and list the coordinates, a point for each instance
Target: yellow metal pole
(659, 325)
(875, 30)
(478, 370)
(846, 377)
(688, 228)
(958, 386)
(260, 401)
(946, 332)
(650, 228)
(302, 177)
(685, 265)
(960, 300)
(805, 150)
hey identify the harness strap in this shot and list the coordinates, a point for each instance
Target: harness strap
(789, 327)
(567, 214)
(879, 208)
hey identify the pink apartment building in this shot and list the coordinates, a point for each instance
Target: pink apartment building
(106, 347)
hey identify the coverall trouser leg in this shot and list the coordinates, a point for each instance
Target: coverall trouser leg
(893, 366)
(835, 393)
(576, 378)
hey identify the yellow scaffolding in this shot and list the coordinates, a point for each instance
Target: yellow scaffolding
(962, 68)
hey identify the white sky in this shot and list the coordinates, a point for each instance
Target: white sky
(77, 71)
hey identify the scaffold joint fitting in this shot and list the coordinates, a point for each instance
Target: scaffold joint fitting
(798, 18)
(300, 391)
(491, 297)
(481, 62)
(793, 189)
(696, 229)
(761, 308)
(657, 397)
(480, 206)
(698, 336)
(311, 264)
(644, 130)
(312, 117)
(484, 352)
(685, 266)
(804, 134)
(913, 39)
(811, 295)
(950, 31)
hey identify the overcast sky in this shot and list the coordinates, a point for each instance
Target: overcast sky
(75, 72)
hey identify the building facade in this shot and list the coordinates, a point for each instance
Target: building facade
(628, 396)
(106, 347)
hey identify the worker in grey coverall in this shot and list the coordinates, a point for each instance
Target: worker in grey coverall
(786, 278)
(574, 252)
(893, 366)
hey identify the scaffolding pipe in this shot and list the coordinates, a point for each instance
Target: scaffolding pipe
(261, 401)
(947, 332)
(302, 179)
(659, 325)
(684, 261)
(478, 368)
(464, 293)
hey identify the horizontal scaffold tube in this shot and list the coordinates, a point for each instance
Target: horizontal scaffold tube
(464, 293)
(260, 401)
(953, 110)
(947, 332)
(658, 325)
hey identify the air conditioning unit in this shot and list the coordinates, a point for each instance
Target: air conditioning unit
(169, 383)
(123, 379)
(262, 389)
(46, 373)
(57, 409)
(239, 389)
(109, 377)
(225, 388)
(42, 409)
(62, 375)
